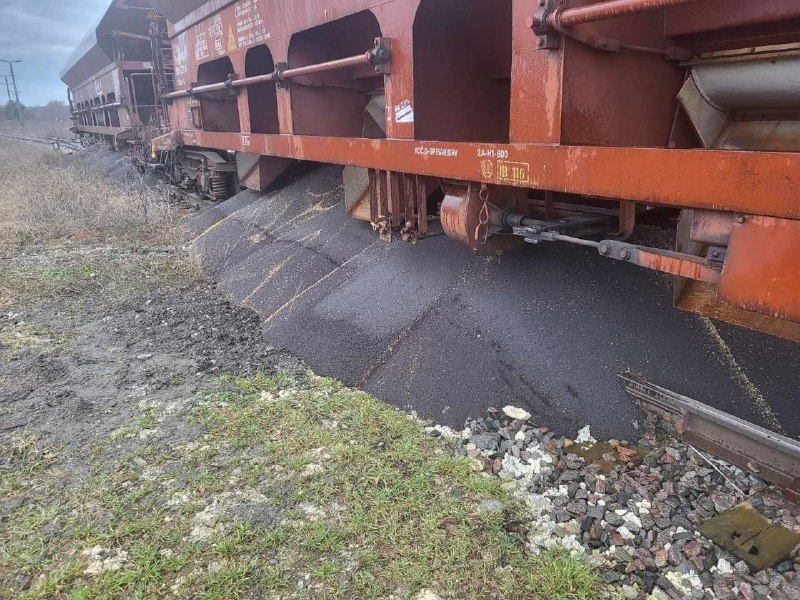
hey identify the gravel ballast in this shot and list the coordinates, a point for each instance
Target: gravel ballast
(636, 521)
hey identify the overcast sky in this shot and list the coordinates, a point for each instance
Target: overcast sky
(43, 33)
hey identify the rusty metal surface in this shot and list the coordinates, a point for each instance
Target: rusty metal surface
(684, 266)
(736, 15)
(762, 273)
(769, 455)
(748, 182)
(342, 63)
(701, 298)
(697, 231)
(469, 216)
(713, 228)
(673, 264)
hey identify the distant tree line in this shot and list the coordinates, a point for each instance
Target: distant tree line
(55, 110)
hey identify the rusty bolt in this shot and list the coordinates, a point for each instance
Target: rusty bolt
(625, 254)
(541, 42)
(740, 219)
(604, 249)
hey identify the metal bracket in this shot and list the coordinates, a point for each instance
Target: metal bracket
(548, 38)
(381, 56)
(666, 261)
(278, 75)
(229, 84)
(717, 254)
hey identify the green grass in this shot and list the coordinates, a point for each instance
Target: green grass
(31, 337)
(68, 272)
(323, 485)
(559, 576)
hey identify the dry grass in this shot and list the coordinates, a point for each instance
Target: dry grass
(70, 231)
(42, 128)
(45, 197)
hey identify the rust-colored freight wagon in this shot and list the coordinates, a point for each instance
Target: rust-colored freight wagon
(507, 122)
(113, 95)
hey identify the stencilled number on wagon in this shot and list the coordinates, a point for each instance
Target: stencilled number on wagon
(492, 153)
(513, 172)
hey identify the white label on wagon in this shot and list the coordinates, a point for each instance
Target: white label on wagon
(404, 112)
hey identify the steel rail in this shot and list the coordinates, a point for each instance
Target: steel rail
(607, 10)
(332, 65)
(769, 455)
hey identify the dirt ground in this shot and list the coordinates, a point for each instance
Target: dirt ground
(95, 361)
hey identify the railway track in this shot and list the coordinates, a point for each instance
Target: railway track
(771, 456)
(56, 142)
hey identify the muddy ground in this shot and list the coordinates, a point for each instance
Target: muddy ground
(92, 363)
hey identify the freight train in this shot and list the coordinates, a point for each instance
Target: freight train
(499, 122)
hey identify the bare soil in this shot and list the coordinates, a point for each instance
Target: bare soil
(159, 346)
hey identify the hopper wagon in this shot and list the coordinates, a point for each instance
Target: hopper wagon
(112, 94)
(500, 123)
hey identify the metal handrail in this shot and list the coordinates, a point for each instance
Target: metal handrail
(377, 55)
(607, 10)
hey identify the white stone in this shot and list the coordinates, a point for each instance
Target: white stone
(491, 507)
(103, 560)
(214, 567)
(585, 435)
(724, 567)
(685, 583)
(630, 592)
(632, 518)
(659, 594)
(427, 595)
(514, 412)
(625, 533)
(312, 469)
(201, 533)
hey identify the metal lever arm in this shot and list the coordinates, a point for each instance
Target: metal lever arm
(673, 263)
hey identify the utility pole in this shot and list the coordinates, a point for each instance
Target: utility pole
(8, 89)
(16, 91)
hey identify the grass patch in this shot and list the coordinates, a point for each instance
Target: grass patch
(71, 272)
(560, 576)
(290, 489)
(26, 336)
